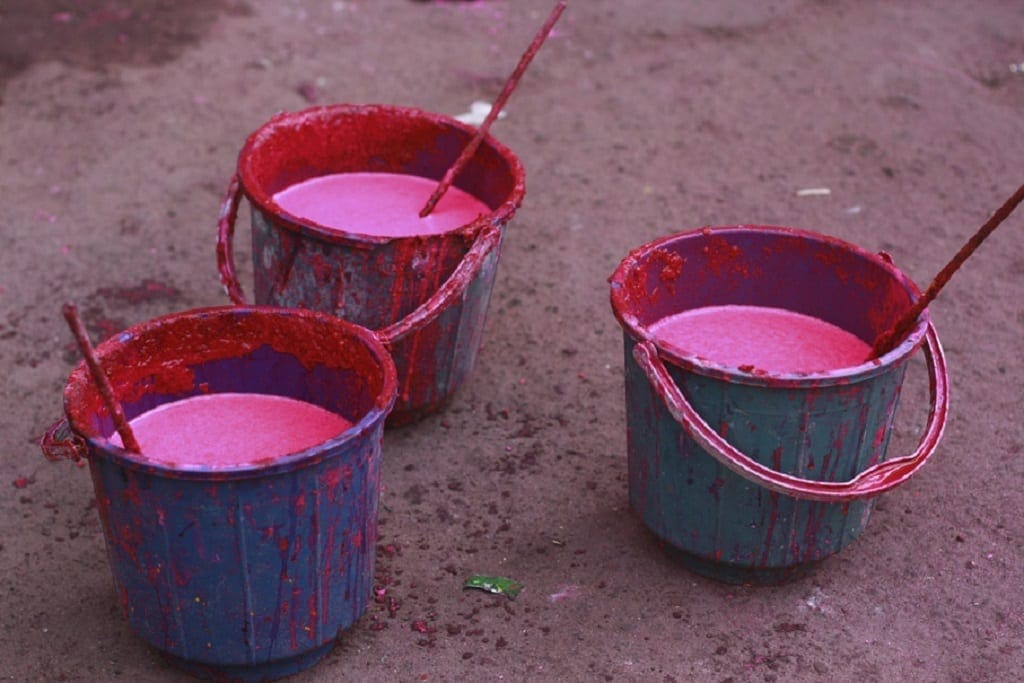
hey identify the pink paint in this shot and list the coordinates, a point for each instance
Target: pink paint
(567, 592)
(224, 430)
(759, 337)
(381, 204)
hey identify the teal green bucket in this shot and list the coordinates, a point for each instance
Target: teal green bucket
(748, 476)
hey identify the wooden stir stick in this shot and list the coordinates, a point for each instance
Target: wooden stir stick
(481, 132)
(888, 339)
(102, 382)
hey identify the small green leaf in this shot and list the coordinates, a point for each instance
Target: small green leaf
(494, 584)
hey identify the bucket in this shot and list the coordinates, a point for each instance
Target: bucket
(748, 476)
(426, 295)
(245, 572)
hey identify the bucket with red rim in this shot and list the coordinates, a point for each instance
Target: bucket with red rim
(247, 571)
(426, 295)
(752, 476)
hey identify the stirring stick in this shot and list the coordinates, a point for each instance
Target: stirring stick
(102, 383)
(481, 132)
(885, 342)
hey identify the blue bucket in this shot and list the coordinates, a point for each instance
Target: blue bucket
(748, 476)
(426, 295)
(249, 572)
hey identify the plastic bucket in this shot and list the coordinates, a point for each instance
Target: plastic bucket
(748, 476)
(248, 572)
(427, 295)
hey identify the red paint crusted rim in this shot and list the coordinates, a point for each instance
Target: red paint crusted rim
(260, 198)
(78, 391)
(621, 306)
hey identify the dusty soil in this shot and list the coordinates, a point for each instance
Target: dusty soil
(120, 123)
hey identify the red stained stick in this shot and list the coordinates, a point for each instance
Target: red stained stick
(103, 384)
(481, 132)
(888, 339)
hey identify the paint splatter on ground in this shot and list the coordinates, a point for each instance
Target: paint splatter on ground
(567, 592)
(146, 291)
(97, 33)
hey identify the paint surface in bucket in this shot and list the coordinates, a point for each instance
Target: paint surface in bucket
(768, 338)
(229, 429)
(383, 204)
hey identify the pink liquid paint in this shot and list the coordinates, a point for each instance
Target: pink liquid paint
(769, 339)
(381, 204)
(224, 430)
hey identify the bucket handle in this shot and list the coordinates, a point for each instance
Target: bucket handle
(871, 482)
(487, 239)
(60, 442)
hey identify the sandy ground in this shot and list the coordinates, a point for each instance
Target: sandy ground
(120, 123)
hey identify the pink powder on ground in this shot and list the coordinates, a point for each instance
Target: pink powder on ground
(224, 430)
(382, 204)
(769, 339)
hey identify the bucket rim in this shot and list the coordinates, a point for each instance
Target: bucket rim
(260, 199)
(382, 402)
(620, 301)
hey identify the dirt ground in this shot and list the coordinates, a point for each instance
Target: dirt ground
(120, 122)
